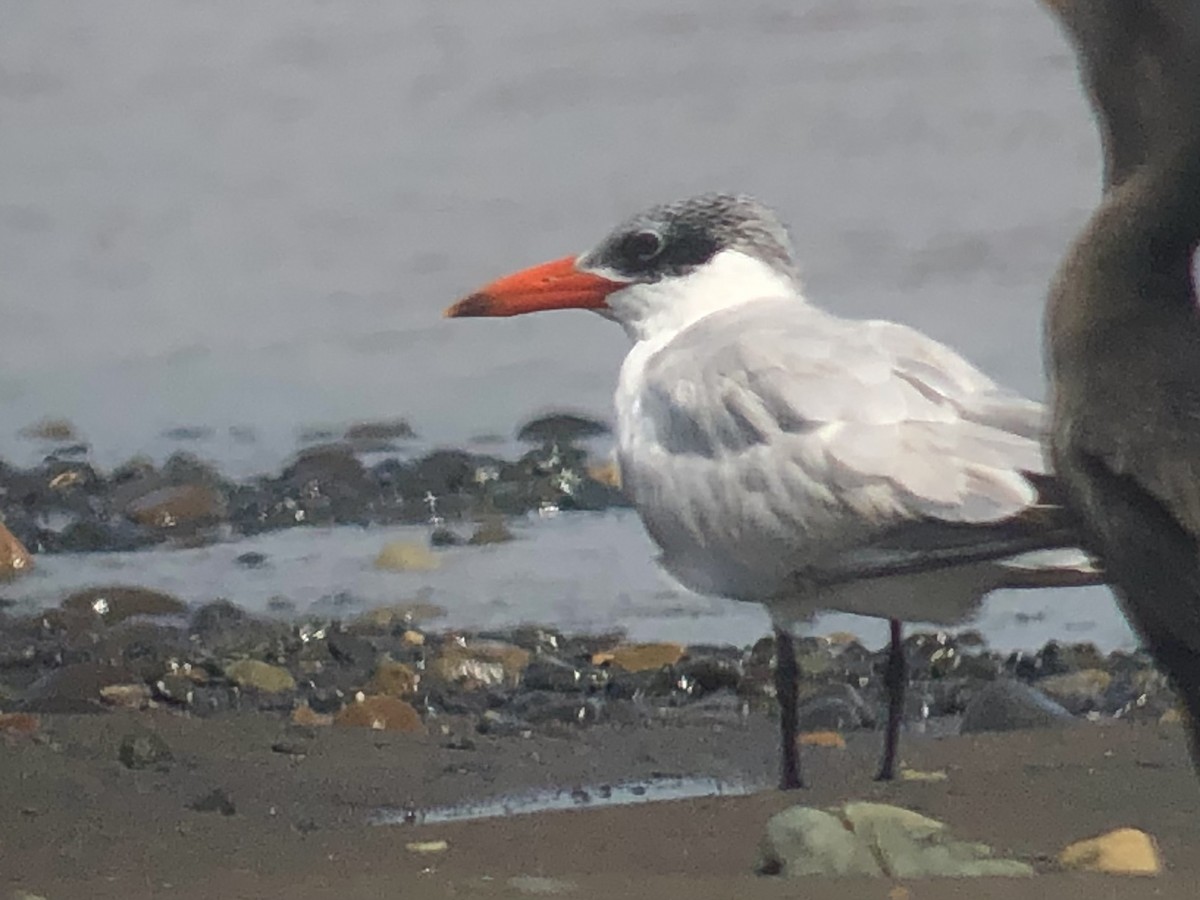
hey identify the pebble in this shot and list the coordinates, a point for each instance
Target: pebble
(641, 657)
(260, 676)
(50, 429)
(829, 739)
(304, 715)
(74, 688)
(478, 664)
(143, 751)
(835, 707)
(393, 429)
(381, 714)
(405, 556)
(490, 531)
(393, 679)
(127, 696)
(1079, 692)
(1125, 851)
(177, 506)
(1006, 705)
(116, 603)
(14, 558)
(215, 800)
(19, 723)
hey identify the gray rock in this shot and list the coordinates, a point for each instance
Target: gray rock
(1007, 705)
(804, 841)
(1080, 692)
(215, 800)
(144, 751)
(838, 707)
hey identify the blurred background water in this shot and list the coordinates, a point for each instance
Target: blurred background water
(250, 216)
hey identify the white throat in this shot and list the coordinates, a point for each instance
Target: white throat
(656, 312)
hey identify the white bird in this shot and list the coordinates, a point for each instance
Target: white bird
(781, 455)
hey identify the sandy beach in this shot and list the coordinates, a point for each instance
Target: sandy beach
(76, 823)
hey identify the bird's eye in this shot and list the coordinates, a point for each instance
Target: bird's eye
(644, 245)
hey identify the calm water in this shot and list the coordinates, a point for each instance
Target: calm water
(229, 214)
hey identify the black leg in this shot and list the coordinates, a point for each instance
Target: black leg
(895, 677)
(787, 683)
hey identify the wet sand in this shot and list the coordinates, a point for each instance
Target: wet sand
(75, 823)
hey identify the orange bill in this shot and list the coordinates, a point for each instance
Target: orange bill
(552, 285)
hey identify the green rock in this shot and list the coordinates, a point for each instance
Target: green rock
(874, 839)
(910, 845)
(261, 676)
(805, 841)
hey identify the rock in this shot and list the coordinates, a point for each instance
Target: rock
(215, 800)
(110, 535)
(227, 630)
(829, 739)
(252, 560)
(351, 650)
(304, 716)
(480, 664)
(50, 429)
(1125, 851)
(260, 676)
(115, 603)
(382, 714)
(403, 556)
(802, 841)
(640, 657)
(1079, 692)
(387, 619)
(175, 688)
(910, 845)
(177, 506)
(549, 674)
(390, 430)
(127, 696)
(490, 531)
(14, 558)
(873, 839)
(18, 723)
(74, 688)
(393, 679)
(701, 674)
(1007, 705)
(834, 707)
(188, 433)
(563, 427)
(143, 751)
(444, 537)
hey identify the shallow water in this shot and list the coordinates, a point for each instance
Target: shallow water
(579, 572)
(228, 214)
(647, 790)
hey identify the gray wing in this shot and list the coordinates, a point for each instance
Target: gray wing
(877, 418)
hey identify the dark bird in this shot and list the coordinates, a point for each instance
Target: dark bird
(1123, 329)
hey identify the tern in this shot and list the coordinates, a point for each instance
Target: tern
(1123, 331)
(781, 455)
